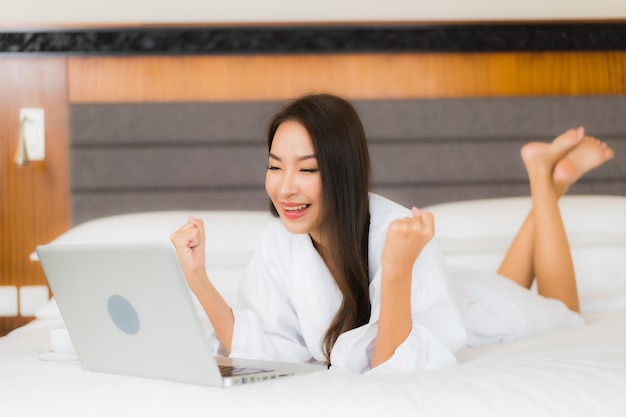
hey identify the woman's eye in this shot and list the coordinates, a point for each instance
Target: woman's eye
(310, 170)
(272, 168)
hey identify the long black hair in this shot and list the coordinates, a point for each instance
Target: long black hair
(343, 159)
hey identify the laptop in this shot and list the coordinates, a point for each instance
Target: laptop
(128, 310)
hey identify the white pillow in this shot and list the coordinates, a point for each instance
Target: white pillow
(230, 240)
(476, 234)
(230, 235)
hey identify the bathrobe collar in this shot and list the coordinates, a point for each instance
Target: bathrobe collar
(315, 293)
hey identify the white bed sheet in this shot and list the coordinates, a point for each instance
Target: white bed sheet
(573, 372)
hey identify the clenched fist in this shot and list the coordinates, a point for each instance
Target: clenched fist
(189, 242)
(406, 237)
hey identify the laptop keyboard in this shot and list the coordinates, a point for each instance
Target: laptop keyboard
(238, 370)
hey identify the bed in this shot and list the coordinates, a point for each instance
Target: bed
(570, 372)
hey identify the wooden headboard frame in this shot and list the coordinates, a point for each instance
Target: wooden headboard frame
(70, 72)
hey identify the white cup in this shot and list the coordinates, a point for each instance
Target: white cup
(61, 343)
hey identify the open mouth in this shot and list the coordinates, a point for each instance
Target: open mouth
(295, 211)
(297, 208)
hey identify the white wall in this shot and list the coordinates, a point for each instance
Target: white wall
(76, 12)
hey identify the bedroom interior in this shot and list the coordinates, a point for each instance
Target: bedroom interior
(138, 122)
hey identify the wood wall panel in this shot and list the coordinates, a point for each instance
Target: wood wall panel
(356, 76)
(34, 200)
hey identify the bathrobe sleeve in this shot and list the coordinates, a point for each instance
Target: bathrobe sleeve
(437, 332)
(266, 324)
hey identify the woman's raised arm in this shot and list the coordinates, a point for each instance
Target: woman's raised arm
(404, 241)
(189, 242)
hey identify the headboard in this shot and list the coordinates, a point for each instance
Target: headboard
(128, 157)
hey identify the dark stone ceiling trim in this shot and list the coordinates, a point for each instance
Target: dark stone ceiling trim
(319, 39)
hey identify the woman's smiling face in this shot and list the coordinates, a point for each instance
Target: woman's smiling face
(293, 181)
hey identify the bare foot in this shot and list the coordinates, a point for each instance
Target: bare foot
(590, 153)
(540, 157)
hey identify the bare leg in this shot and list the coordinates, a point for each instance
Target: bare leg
(518, 263)
(540, 248)
(552, 260)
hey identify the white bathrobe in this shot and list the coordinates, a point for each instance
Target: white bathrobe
(288, 299)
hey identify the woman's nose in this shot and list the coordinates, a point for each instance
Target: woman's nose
(289, 184)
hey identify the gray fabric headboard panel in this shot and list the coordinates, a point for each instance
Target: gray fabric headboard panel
(153, 156)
